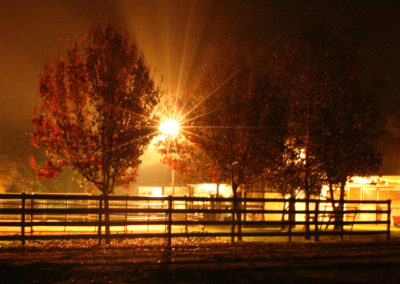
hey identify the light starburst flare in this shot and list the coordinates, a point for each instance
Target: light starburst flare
(169, 127)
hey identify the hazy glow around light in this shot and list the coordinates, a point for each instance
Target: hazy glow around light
(169, 127)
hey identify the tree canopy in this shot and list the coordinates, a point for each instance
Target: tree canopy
(332, 120)
(234, 120)
(96, 110)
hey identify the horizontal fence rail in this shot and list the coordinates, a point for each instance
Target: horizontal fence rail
(61, 216)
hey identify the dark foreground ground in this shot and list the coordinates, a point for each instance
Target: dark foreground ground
(330, 262)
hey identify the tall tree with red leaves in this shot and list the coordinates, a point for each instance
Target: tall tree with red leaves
(96, 110)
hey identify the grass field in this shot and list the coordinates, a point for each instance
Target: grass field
(191, 262)
(367, 260)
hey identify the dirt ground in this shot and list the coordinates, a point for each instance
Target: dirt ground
(300, 262)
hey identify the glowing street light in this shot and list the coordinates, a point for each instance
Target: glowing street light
(169, 127)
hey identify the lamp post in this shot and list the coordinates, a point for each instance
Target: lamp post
(170, 128)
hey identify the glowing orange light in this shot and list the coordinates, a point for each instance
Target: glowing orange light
(169, 127)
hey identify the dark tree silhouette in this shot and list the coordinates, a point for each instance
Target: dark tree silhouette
(236, 121)
(332, 121)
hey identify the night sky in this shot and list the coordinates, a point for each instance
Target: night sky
(173, 34)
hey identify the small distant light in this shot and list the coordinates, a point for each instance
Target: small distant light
(302, 154)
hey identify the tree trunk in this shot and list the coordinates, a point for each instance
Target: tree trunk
(291, 208)
(284, 210)
(283, 216)
(332, 194)
(334, 208)
(236, 209)
(107, 217)
(340, 219)
(308, 237)
(307, 193)
(338, 210)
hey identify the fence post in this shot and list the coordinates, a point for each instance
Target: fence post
(100, 217)
(106, 214)
(126, 214)
(23, 196)
(389, 209)
(186, 225)
(169, 236)
(32, 206)
(263, 208)
(245, 206)
(291, 206)
(66, 215)
(233, 222)
(342, 213)
(316, 219)
(307, 217)
(148, 215)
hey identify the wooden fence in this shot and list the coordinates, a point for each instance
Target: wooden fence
(52, 216)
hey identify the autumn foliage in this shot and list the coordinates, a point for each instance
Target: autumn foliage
(178, 152)
(96, 110)
(233, 124)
